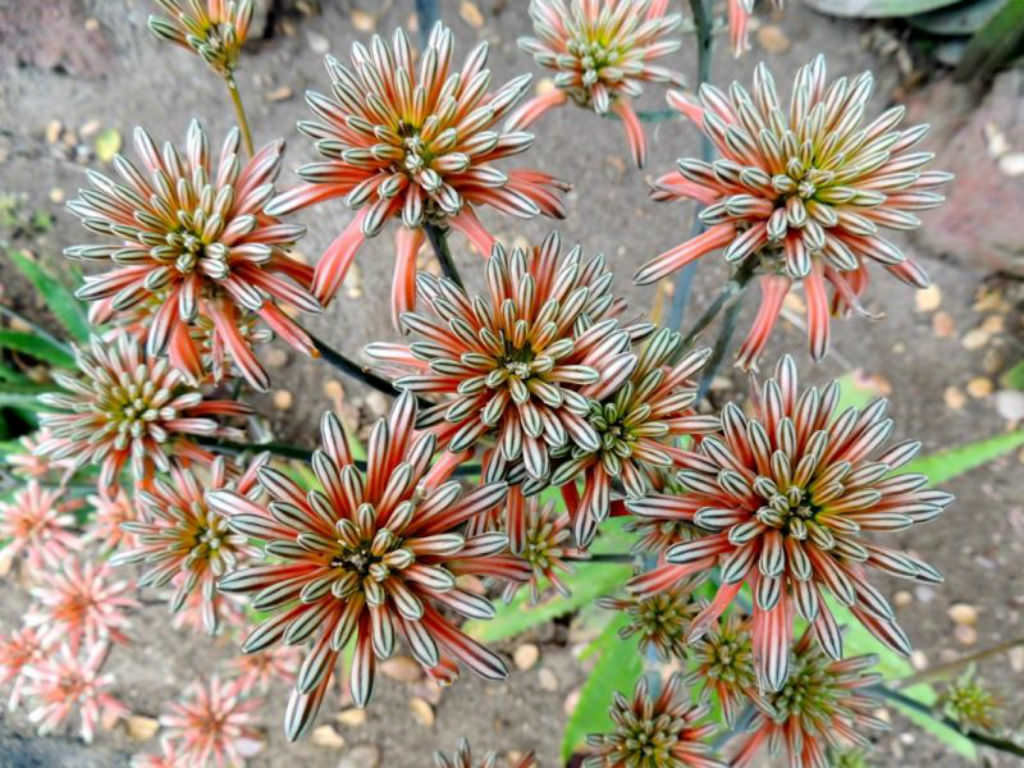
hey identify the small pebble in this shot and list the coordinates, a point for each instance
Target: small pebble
(997, 143)
(975, 339)
(526, 656)
(278, 94)
(142, 728)
(928, 299)
(1016, 655)
(569, 705)
(943, 325)
(276, 357)
(980, 386)
(547, 679)
(919, 660)
(401, 668)
(363, 21)
(89, 128)
(924, 594)
(91, 24)
(1010, 404)
(52, 131)
(326, 736)
(471, 14)
(773, 39)
(428, 690)
(902, 599)
(361, 756)
(965, 634)
(955, 399)
(1012, 163)
(283, 399)
(962, 613)
(351, 717)
(994, 324)
(377, 403)
(57, 195)
(422, 712)
(318, 43)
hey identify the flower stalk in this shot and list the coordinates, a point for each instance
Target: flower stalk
(243, 121)
(438, 237)
(351, 368)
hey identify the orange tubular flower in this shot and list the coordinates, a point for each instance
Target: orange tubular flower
(415, 142)
(519, 365)
(463, 758)
(822, 705)
(372, 557)
(660, 732)
(784, 498)
(184, 538)
(602, 51)
(803, 192)
(127, 407)
(38, 524)
(196, 238)
(213, 723)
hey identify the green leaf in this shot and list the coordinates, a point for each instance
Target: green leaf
(876, 9)
(38, 347)
(23, 395)
(617, 669)
(961, 19)
(1014, 378)
(587, 582)
(994, 45)
(855, 390)
(59, 298)
(946, 465)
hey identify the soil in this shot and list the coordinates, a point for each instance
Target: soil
(925, 360)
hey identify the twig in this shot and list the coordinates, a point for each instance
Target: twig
(353, 369)
(955, 666)
(438, 238)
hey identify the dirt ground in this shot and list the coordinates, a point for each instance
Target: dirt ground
(925, 356)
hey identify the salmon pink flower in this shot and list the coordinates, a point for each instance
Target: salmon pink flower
(259, 670)
(370, 558)
(602, 51)
(28, 464)
(785, 498)
(822, 705)
(519, 365)
(196, 237)
(127, 407)
(415, 142)
(104, 524)
(184, 537)
(63, 681)
(655, 732)
(38, 523)
(463, 758)
(214, 29)
(804, 192)
(213, 723)
(18, 651)
(171, 756)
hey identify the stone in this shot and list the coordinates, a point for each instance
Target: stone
(361, 756)
(526, 656)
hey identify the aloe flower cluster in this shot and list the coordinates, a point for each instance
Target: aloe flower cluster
(415, 142)
(195, 246)
(602, 52)
(371, 558)
(213, 722)
(183, 538)
(214, 29)
(516, 367)
(824, 704)
(660, 732)
(784, 498)
(661, 620)
(639, 413)
(804, 191)
(128, 408)
(463, 758)
(723, 659)
(19, 651)
(38, 523)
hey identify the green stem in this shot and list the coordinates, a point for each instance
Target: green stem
(601, 557)
(648, 115)
(243, 121)
(438, 237)
(944, 670)
(1003, 745)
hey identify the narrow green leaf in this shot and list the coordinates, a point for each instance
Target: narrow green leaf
(23, 395)
(876, 9)
(618, 668)
(38, 347)
(994, 45)
(945, 465)
(59, 298)
(1014, 378)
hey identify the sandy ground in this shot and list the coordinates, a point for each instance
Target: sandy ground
(976, 544)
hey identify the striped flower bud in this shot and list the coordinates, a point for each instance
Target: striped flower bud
(214, 29)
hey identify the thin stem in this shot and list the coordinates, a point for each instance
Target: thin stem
(353, 369)
(944, 670)
(721, 347)
(1003, 745)
(438, 237)
(648, 115)
(735, 286)
(601, 557)
(243, 121)
(684, 281)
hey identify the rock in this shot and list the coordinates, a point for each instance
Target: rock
(325, 736)
(902, 599)
(361, 756)
(569, 705)
(471, 14)
(401, 668)
(943, 325)
(141, 728)
(547, 679)
(963, 613)
(421, 711)
(955, 398)
(928, 299)
(353, 718)
(919, 660)
(980, 386)
(965, 634)
(526, 656)
(363, 21)
(283, 399)
(973, 227)
(773, 39)
(1010, 404)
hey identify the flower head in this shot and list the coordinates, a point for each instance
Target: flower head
(214, 29)
(104, 524)
(194, 245)
(803, 193)
(259, 670)
(28, 464)
(371, 557)
(662, 732)
(463, 758)
(970, 702)
(602, 51)
(540, 538)
(183, 536)
(724, 662)
(129, 407)
(519, 365)
(661, 620)
(80, 604)
(821, 705)
(784, 498)
(639, 423)
(213, 722)
(416, 142)
(38, 521)
(171, 756)
(18, 651)
(62, 681)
